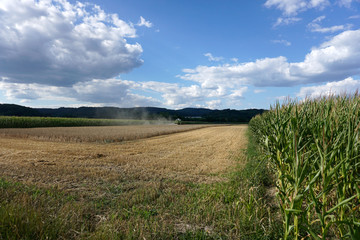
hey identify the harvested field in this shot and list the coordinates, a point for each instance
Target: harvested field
(198, 155)
(186, 185)
(96, 134)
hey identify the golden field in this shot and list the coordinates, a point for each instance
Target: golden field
(104, 134)
(199, 155)
(128, 182)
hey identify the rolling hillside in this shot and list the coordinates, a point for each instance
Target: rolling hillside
(187, 114)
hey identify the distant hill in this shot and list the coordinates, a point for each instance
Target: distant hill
(150, 113)
(17, 110)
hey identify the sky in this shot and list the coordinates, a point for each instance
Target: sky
(215, 54)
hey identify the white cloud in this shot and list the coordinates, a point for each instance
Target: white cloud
(238, 93)
(335, 59)
(213, 104)
(319, 19)
(262, 72)
(212, 58)
(332, 29)
(318, 3)
(178, 96)
(354, 17)
(118, 92)
(35, 91)
(143, 22)
(115, 92)
(314, 26)
(345, 3)
(282, 41)
(54, 42)
(289, 7)
(103, 91)
(286, 21)
(346, 86)
(293, 7)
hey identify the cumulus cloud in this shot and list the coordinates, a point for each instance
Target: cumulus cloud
(182, 96)
(213, 104)
(238, 93)
(315, 26)
(293, 7)
(118, 92)
(54, 42)
(212, 58)
(103, 91)
(143, 22)
(335, 59)
(98, 92)
(346, 86)
(35, 91)
(262, 72)
(177, 96)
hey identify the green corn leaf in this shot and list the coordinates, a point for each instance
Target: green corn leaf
(357, 190)
(289, 178)
(293, 210)
(340, 204)
(313, 234)
(313, 180)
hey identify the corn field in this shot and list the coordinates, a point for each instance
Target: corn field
(313, 149)
(33, 122)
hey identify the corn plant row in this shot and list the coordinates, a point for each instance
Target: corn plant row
(31, 122)
(313, 148)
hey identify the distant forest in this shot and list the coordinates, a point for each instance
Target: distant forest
(144, 113)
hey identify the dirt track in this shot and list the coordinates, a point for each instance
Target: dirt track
(200, 155)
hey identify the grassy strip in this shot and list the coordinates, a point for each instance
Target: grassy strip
(259, 180)
(32, 122)
(28, 212)
(159, 209)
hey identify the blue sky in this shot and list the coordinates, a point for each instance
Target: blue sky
(176, 54)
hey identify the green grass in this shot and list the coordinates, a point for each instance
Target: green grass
(165, 209)
(32, 122)
(313, 148)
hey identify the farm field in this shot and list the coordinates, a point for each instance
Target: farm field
(37, 122)
(174, 186)
(104, 134)
(199, 156)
